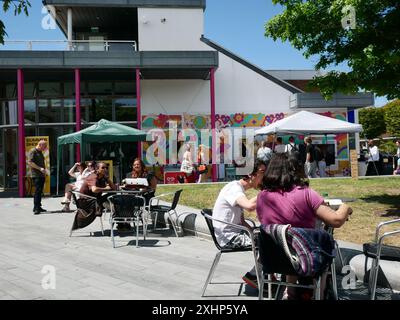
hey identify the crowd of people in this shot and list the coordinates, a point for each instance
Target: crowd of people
(314, 158)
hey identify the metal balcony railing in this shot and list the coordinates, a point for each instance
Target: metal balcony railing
(74, 45)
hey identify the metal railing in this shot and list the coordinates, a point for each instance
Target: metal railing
(74, 45)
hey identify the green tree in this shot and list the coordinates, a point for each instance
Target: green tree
(373, 122)
(19, 7)
(370, 46)
(392, 117)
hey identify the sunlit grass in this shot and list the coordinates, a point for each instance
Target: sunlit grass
(373, 201)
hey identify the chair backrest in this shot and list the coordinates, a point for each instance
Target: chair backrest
(86, 204)
(176, 199)
(272, 256)
(207, 214)
(126, 205)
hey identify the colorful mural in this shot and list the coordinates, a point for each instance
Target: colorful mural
(237, 120)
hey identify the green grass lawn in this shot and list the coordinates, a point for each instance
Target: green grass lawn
(372, 200)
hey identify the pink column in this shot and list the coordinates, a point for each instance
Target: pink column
(78, 109)
(138, 108)
(21, 134)
(214, 135)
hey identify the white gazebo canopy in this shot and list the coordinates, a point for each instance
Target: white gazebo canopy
(305, 122)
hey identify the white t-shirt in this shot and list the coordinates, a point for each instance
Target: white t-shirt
(226, 209)
(290, 147)
(280, 148)
(374, 154)
(264, 153)
(80, 178)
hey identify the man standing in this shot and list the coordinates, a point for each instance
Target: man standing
(37, 163)
(291, 146)
(373, 167)
(264, 153)
(279, 146)
(310, 165)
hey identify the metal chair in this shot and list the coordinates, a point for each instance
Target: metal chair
(156, 208)
(87, 211)
(274, 260)
(378, 251)
(127, 208)
(207, 214)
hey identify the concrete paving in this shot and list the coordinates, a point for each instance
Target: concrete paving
(33, 248)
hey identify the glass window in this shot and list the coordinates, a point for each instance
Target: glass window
(49, 89)
(50, 111)
(2, 169)
(69, 89)
(99, 88)
(125, 109)
(10, 112)
(100, 109)
(29, 90)
(11, 91)
(11, 158)
(125, 88)
(30, 111)
(70, 110)
(2, 113)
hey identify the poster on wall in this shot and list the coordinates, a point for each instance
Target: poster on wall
(30, 144)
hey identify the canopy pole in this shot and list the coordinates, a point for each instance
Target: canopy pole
(213, 127)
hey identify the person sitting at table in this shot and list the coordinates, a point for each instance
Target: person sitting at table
(80, 175)
(286, 198)
(97, 184)
(139, 171)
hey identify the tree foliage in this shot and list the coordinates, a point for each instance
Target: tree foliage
(373, 122)
(371, 48)
(19, 7)
(392, 117)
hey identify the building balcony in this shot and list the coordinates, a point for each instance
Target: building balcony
(74, 45)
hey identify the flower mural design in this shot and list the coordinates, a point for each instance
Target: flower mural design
(238, 118)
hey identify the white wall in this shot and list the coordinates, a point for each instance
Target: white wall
(175, 97)
(237, 89)
(181, 30)
(240, 89)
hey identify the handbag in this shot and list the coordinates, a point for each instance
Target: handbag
(202, 168)
(310, 251)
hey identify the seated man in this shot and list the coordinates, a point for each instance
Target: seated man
(98, 183)
(229, 207)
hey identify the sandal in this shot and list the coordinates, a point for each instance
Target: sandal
(65, 202)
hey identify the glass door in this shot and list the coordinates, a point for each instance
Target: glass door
(2, 164)
(10, 154)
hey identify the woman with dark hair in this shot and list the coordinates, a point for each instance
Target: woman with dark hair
(139, 171)
(286, 198)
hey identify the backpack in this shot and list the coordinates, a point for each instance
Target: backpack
(310, 251)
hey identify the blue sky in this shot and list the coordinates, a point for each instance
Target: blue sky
(237, 25)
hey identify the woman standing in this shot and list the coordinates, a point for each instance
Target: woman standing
(201, 159)
(187, 164)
